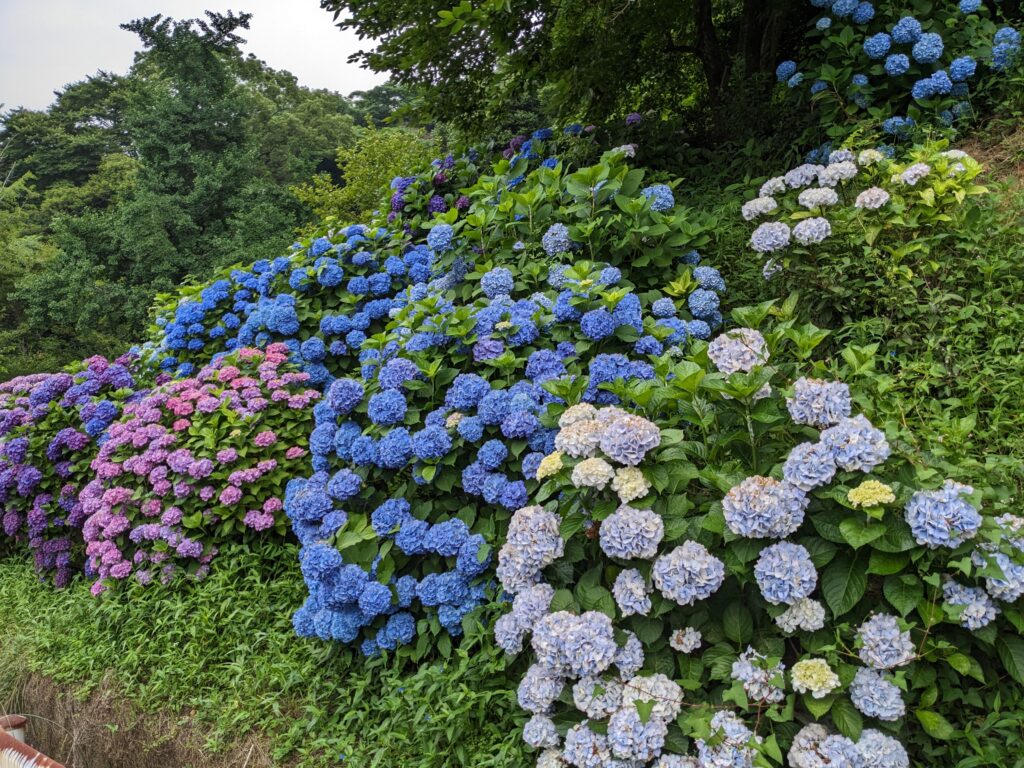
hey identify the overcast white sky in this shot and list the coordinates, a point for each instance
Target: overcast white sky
(45, 44)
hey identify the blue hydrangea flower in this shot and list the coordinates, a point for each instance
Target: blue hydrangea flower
(809, 465)
(943, 518)
(822, 24)
(875, 696)
(661, 197)
(762, 507)
(906, 31)
(863, 13)
(969, 6)
(556, 240)
(688, 573)
(795, 80)
(883, 645)
(785, 573)
(962, 69)
(598, 324)
(876, 46)
(928, 48)
(387, 407)
(856, 445)
(785, 70)
(497, 282)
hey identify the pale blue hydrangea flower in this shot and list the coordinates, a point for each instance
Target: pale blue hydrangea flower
(823, 23)
(979, 610)
(630, 657)
(729, 743)
(817, 197)
(802, 175)
(879, 750)
(740, 349)
(883, 645)
(664, 692)
(815, 747)
(758, 677)
(586, 749)
(685, 640)
(539, 688)
(856, 445)
(688, 573)
(578, 646)
(915, 173)
(632, 739)
(785, 573)
(770, 236)
(943, 518)
(807, 615)
(764, 508)
(875, 696)
(540, 732)
(534, 541)
(835, 173)
(631, 533)
(808, 466)
(1011, 586)
(757, 207)
(597, 697)
(812, 231)
(818, 403)
(631, 593)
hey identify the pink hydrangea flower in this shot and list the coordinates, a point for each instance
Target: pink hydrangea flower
(265, 439)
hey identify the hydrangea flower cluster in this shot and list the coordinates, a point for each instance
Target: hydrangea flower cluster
(411, 442)
(922, 66)
(804, 207)
(50, 429)
(192, 464)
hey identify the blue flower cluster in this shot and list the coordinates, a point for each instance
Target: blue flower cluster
(884, 65)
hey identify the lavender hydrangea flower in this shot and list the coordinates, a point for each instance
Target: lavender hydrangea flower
(534, 541)
(628, 439)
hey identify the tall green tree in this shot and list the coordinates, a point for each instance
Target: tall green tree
(590, 59)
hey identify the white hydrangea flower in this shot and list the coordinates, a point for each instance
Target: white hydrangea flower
(807, 615)
(592, 473)
(872, 198)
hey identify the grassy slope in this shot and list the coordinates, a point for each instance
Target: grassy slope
(224, 653)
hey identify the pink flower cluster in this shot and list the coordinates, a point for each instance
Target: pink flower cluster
(173, 480)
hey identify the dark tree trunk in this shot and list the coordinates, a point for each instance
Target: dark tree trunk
(713, 58)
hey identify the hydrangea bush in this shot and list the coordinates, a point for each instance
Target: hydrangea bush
(897, 66)
(734, 566)
(194, 463)
(450, 404)
(860, 229)
(50, 429)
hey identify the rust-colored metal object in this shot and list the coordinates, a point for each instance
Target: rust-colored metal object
(15, 753)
